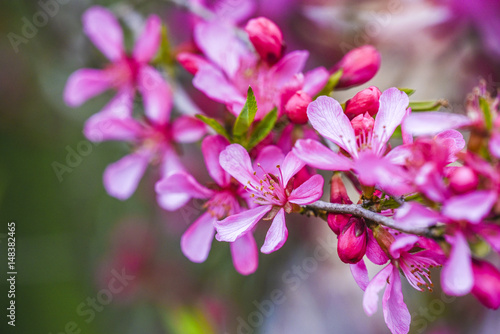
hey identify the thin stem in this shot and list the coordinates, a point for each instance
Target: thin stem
(321, 208)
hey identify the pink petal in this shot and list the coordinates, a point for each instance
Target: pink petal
(373, 250)
(287, 67)
(276, 235)
(172, 201)
(85, 84)
(235, 11)
(400, 155)
(171, 162)
(403, 244)
(317, 155)
(291, 166)
(236, 161)
(315, 80)
(360, 274)
(396, 314)
(184, 183)
(122, 177)
(214, 84)
(453, 140)
(328, 118)
(456, 276)
(236, 225)
(416, 215)
(211, 147)
(269, 157)
(104, 30)
(430, 123)
(392, 110)
(494, 145)
(472, 207)
(187, 129)
(370, 298)
(245, 254)
(156, 94)
(490, 233)
(148, 43)
(197, 240)
(308, 192)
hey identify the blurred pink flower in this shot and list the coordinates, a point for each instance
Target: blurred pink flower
(358, 66)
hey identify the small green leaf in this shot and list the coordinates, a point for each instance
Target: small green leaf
(246, 116)
(214, 125)
(332, 82)
(427, 105)
(485, 107)
(263, 128)
(408, 91)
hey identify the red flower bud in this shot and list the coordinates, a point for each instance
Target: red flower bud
(296, 107)
(486, 284)
(359, 65)
(362, 124)
(351, 245)
(463, 180)
(338, 194)
(267, 39)
(364, 101)
(191, 62)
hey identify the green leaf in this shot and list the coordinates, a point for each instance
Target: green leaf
(263, 128)
(332, 82)
(408, 91)
(427, 105)
(246, 116)
(214, 125)
(485, 107)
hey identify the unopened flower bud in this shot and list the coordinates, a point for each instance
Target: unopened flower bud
(267, 39)
(338, 194)
(365, 101)
(463, 180)
(359, 65)
(362, 124)
(191, 62)
(296, 107)
(351, 245)
(486, 284)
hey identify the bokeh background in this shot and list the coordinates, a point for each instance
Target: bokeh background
(72, 238)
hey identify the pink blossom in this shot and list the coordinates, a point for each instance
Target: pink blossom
(352, 242)
(267, 39)
(486, 284)
(296, 107)
(222, 200)
(125, 72)
(268, 183)
(365, 101)
(358, 65)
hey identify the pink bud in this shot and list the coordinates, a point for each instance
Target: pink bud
(364, 101)
(362, 124)
(359, 65)
(296, 107)
(486, 284)
(267, 39)
(338, 194)
(191, 62)
(463, 180)
(351, 245)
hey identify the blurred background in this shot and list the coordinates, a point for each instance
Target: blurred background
(72, 239)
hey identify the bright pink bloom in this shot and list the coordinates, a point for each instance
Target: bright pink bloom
(352, 242)
(463, 179)
(366, 149)
(268, 182)
(365, 101)
(267, 39)
(296, 107)
(359, 65)
(125, 72)
(222, 200)
(338, 194)
(486, 284)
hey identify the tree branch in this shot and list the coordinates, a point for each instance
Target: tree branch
(321, 207)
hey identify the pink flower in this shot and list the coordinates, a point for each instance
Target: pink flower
(359, 65)
(352, 242)
(223, 200)
(486, 284)
(125, 72)
(267, 39)
(296, 107)
(366, 149)
(269, 183)
(365, 101)
(154, 140)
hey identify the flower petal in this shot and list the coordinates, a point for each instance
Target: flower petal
(315, 80)
(494, 145)
(472, 207)
(245, 254)
(317, 155)
(236, 161)
(392, 110)
(453, 140)
(172, 201)
(328, 118)
(148, 43)
(456, 276)
(396, 314)
(431, 123)
(85, 84)
(373, 250)
(370, 298)
(236, 225)
(269, 157)
(308, 192)
(171, 162)
(291, 166)
(276, 235)
(104, 30)
(211, 147)
(156, 93)
(416, 215)
(182, 183)
(284, 70)
(187, 129)
(403, 244)
(197, 240)
(360, 274)
(122, 177)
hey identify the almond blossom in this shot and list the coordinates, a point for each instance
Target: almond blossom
(269, 183)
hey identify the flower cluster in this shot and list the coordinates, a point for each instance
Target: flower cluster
(425, 203)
